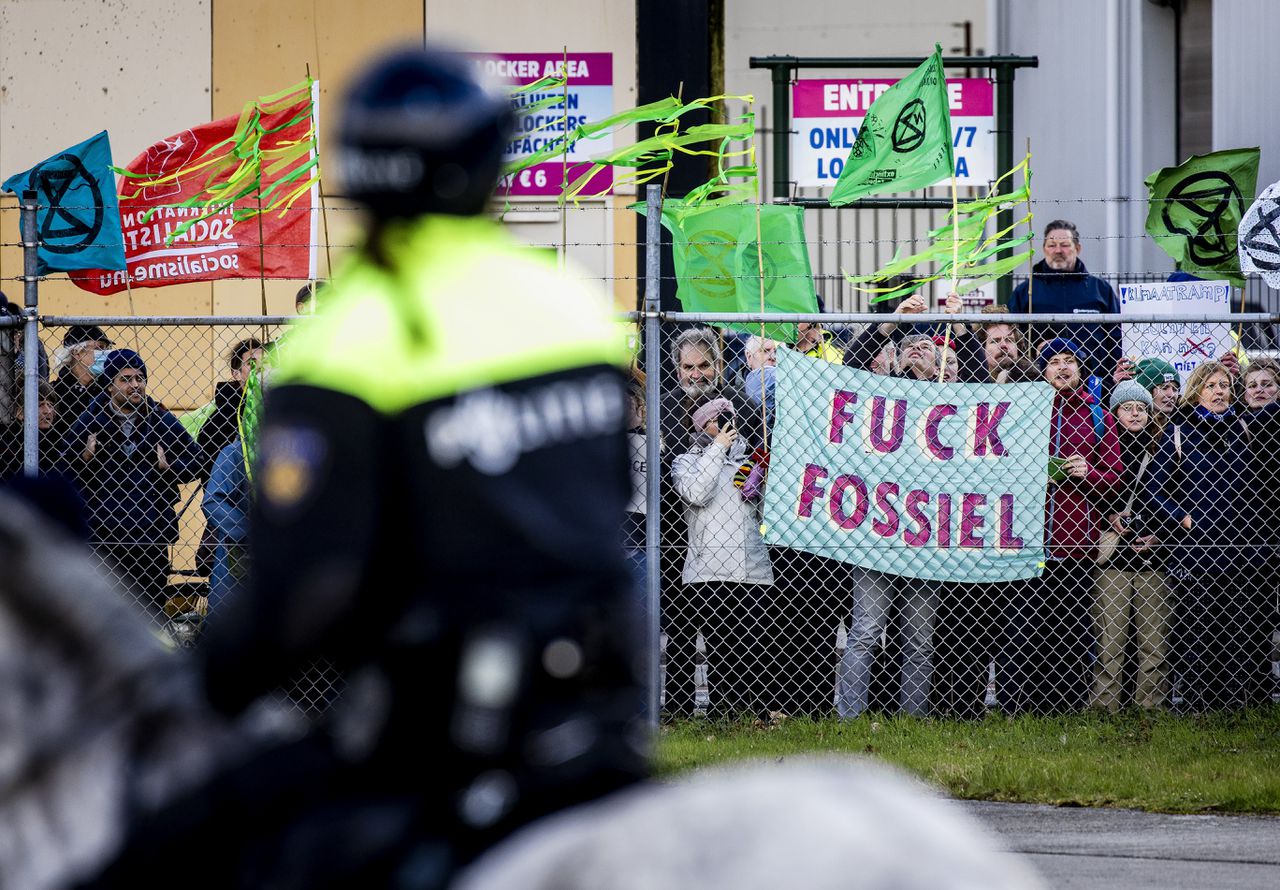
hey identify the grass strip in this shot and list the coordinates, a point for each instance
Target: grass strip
(1222, 763)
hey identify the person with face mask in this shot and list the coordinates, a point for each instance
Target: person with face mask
(79, 362)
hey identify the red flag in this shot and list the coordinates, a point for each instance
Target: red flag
(233, 198)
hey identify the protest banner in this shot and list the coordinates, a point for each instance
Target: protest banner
(587, 96)
(1196, 209)
(904, 142)
(232, 198)
(944, 482)
(828, 113)
(78, 221)
(1259, 237)
(717, 255)
(1183, 344)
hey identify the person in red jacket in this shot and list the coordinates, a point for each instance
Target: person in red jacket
(1046, 635)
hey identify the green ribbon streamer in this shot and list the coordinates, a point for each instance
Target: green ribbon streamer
(966, 226)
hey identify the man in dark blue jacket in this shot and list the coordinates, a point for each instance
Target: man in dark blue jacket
(130, 455)
(1061, 284)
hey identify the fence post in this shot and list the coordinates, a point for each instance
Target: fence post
(30, 335)
(653, 440)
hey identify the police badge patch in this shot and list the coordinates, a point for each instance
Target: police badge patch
(290, 461)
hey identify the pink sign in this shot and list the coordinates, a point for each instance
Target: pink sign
(588, 95)
(969, 97)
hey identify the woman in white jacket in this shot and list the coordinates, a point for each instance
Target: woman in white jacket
(727, 574)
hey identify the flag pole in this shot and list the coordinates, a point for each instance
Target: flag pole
(955, 267)
(764, 412)
(564, 166)
(324, 208)
(1031, 261)
(133, 328)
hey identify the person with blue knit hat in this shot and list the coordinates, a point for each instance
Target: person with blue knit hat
(129, 455)
(1046, 632)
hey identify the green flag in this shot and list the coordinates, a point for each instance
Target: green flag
(1196, 208)
(904, 142)
(718, 262)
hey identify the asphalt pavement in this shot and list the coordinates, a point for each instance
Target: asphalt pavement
(1102, 848)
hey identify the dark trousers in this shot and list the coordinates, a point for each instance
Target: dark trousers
(964, 647)
(1221, 640)
(809, 598)
(1046, 640)
(142, 569)
(729, 617)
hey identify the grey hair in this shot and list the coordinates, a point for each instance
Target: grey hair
(703, 338)
(1064, 224)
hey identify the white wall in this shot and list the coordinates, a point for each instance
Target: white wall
(1100, 113)
(1246, 80)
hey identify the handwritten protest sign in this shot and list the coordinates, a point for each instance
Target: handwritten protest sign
(944, 482)
(1184, 344)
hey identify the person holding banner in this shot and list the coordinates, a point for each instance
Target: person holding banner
(1204, 485)
(1047, 635)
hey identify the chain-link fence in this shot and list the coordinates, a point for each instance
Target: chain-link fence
(145, 417)
(940, 520)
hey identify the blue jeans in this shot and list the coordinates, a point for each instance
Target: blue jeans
(874, 593)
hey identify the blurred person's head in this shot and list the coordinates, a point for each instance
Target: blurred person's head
(1131, 405)
(884, 361)
(1162, 380)
(1261, 382)
(244, 357)
(761, 353)
(1059, 362)
(125, 376)
(1061, 245)
(420, 133)
(918, 356)
(304, 300)
(808, 336)
(1021, 371)
(952, 366)
(698, 361)
(1209, 387)
(47, 412)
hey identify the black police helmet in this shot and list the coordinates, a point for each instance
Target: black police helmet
(420, 134)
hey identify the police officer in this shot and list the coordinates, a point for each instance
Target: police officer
(441, 481)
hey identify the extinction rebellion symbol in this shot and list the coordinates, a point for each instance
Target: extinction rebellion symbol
(74, 204)
(908, 129)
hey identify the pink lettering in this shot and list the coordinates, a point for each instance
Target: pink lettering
(944, 521)
(848, 521)
(937, 414)
(1004, 522)
(887, 527)
(887, 444)
(971, 521)
(810, 488)
(912, 506)
(841, 414)
(986, 432)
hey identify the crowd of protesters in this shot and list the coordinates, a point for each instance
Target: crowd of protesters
(127, 456)
(1159, 588)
